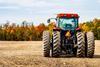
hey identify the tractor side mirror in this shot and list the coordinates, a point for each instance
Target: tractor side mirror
(48, 20)
(52, 20)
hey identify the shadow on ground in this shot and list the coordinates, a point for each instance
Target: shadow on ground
(96, 56)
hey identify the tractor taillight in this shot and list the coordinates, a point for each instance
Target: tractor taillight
(78, 29)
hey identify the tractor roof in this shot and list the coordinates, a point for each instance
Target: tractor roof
(67, 15)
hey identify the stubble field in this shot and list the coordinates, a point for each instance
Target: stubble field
(30, 54)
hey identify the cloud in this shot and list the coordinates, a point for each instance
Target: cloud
(29, 3)
(9, 7)
(17, 2)
(40, 10)
(98, 1)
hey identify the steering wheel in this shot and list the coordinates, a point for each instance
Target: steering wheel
(68, 25)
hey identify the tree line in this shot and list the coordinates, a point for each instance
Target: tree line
(29, 32)
(23, 32)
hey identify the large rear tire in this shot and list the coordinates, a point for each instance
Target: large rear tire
(46, 43)
(56, 44)
(90, 44)
(80, 44)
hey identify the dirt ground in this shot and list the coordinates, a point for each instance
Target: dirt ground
(29, 54)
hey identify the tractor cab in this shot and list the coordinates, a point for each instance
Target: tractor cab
(66, 21)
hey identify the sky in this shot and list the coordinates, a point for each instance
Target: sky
(38, 11)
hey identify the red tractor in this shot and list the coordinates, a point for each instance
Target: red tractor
(67, 38)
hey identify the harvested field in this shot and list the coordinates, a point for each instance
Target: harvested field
(29, 54)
